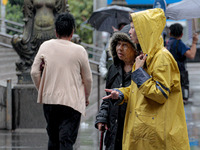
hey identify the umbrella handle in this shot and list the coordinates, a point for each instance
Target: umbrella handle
(194, 25)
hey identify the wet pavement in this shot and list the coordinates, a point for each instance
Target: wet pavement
(23, 139)
(88, 138)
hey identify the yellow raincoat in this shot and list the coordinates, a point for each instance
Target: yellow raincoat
(155, 118)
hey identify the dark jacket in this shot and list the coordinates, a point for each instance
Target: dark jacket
(110, 114)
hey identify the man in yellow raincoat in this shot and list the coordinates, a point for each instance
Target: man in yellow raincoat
(155, 118)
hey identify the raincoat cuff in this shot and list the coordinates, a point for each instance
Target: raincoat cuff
(139, 76)
(121, 97)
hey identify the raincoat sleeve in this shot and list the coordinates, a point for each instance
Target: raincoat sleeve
(123, 95)
(156, 88)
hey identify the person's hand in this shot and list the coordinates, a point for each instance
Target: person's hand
(87, 102)
(114, 29)
(100, 125)
(113, 94)
(195, 38)
(140, 60)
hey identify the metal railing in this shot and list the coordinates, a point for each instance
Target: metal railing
(94, 52)
(13, 26)
(94, 59)
(5, 36)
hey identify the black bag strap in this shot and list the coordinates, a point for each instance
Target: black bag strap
(177, 47)
(178, 55)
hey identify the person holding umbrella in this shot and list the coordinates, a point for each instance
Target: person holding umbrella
(155, 117)
(112, 116)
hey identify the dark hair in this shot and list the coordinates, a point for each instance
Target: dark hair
(176, 30)
(65, 24)
(130, 18)
(121, 25)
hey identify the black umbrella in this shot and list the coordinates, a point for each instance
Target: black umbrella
(104, 18)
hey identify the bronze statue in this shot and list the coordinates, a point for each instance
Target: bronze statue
(39, 18)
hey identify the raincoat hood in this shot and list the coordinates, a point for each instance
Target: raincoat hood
(119, 36)
(149, 25)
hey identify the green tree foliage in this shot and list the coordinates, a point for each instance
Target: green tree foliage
(16, 2)
(82, 10)
(14, 13)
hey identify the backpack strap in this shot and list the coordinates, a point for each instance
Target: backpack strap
(180, 58)
(177, 47)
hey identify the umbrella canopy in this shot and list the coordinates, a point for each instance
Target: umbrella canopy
(186, 9)
(104, 18)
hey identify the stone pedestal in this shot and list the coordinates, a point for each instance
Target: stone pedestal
(24, 78)
(27, 113)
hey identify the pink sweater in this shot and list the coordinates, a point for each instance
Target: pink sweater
(66, 78)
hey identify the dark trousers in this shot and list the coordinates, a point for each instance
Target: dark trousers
(62, 126)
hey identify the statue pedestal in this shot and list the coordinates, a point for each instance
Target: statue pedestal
(24, 78)
(27, 113)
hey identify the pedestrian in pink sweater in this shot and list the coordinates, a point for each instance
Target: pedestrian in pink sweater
(63, 82)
